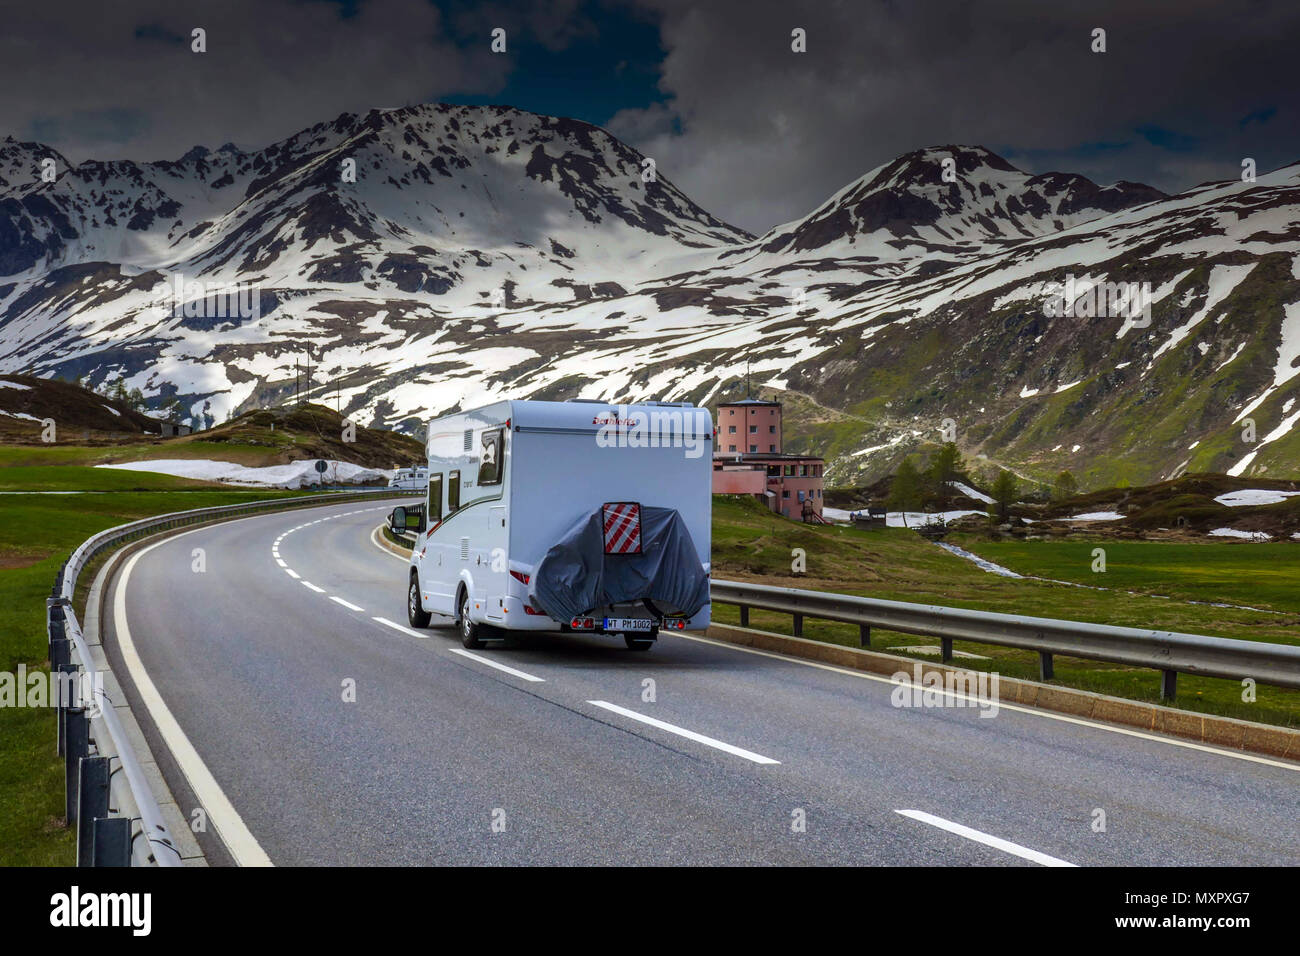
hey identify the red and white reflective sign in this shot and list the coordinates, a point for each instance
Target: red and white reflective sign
(622, 521)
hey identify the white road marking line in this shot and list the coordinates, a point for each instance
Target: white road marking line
(1046, 714)
(308, 584)
(398, 627)
(375, 541)
(501, 667)
(280, 562)
(292, 573)
(683, 732)
(351, 607)
(1006, 846)
(241, 843)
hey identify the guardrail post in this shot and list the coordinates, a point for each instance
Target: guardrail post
(945, 649)
(111, 842)
(1168, 684)
(60, 653)
(798, 625)
(61, 702)
(744, 615)
(92, 803)
(1046, 668)
(864, 635)
(77, 731)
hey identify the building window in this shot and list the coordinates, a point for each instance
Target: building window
(753, 429)
(731, 429)
(771, 448)
(753, 449)
(731, 448)
(789, 471)
(771, 429)
(785, 493)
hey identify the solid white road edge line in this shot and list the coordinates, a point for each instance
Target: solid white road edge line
(405, 630)
(241, 843)
(346, 604)
(375, 542)
(683, 732)
(1006, 846)
(1045, 714)
(501, 667)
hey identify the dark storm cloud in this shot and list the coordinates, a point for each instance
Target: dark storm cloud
(760, 134)
(754, 132)
(119, 80)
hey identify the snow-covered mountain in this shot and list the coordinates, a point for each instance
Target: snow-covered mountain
(484, 251)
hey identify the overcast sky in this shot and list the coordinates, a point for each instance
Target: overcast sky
(753, 131)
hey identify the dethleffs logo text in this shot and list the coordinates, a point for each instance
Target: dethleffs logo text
(74, 909)
(688, 428)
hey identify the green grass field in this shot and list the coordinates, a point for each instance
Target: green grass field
(752, 544)
(1233, 572)
(36, 534)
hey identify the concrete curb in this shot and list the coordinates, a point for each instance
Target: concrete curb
(1226, 732)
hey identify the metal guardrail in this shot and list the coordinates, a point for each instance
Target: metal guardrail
(1169, 652)
(102, 802)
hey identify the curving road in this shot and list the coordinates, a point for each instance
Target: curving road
(553, 753)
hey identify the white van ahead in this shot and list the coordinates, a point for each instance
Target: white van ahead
(566, 517)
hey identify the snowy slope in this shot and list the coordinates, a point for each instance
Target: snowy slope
(486, 252)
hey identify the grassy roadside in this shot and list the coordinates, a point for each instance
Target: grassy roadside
(752, 544)
(38, 532)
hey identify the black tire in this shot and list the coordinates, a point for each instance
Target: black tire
(638, 643)
(470, 633)
(415, 612)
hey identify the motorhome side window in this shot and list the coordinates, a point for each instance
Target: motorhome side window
(435, 499)
(492, 460)
(453, 491)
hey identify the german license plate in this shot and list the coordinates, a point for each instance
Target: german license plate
(627, 624)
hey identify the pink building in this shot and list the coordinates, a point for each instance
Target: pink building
(749, 461)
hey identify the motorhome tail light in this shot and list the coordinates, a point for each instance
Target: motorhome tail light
(675, 625)
(529, 609)
(519, 576)
(622, 524)
(582, 623)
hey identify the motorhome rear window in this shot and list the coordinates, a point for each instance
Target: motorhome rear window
(453, 491)
(491, 463)
(435, 499)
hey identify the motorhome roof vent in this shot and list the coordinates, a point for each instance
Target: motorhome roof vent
(469, 439)
(588, 401)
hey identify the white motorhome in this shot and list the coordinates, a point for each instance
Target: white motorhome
(565, 517)
(414, 478)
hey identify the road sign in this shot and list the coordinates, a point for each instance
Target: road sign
(321, 466)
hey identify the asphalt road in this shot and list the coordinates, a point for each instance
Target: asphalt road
(443, 758)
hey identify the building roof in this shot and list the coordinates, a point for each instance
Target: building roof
(749, 401)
